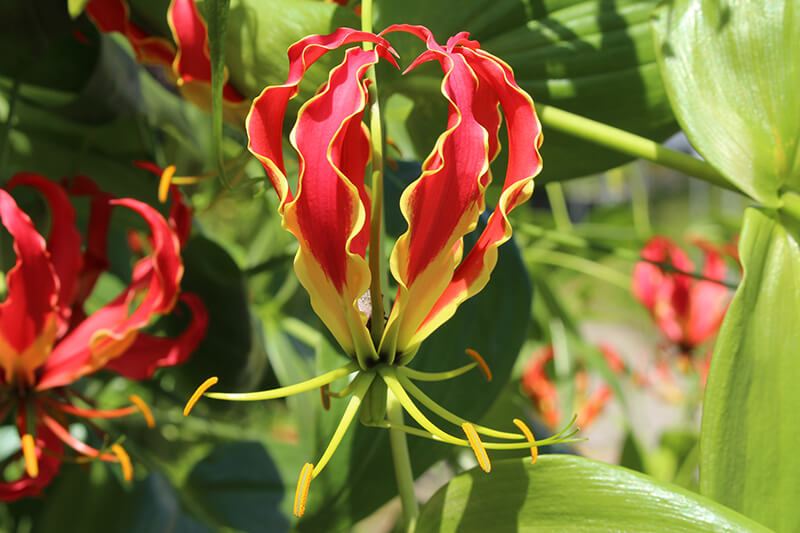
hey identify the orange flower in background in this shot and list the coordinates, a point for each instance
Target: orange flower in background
(539, 386)
(47, 342)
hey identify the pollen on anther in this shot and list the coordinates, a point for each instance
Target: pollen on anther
(165, 182)
(29, 453)
(207, 384)
(145, 410)
(124, 461)
(481, 363)
(325, 392)
(301, 494)
(477, 446)
(523, 427)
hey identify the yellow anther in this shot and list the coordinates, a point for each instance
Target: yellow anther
(207, 384)
(325, 392)
(146, 412)
(29, 452)
(301, 494)
(523, 427)
(481, 363)
(477, 446)
(124, 461)
(165, 182)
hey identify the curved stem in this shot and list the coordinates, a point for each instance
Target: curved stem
(629, 143)
(402, 464)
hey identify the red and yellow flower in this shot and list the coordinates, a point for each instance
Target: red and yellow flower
(688, 311)
(330, 210)
(47, 341)
(187, 62)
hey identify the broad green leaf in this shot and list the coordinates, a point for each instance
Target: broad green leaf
(239, 485)
(493, 322)
(592, 58)
(748, 456)
(732, 70)
(76, 7)
(568, 493)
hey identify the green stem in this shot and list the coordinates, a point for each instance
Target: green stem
(629, 143)
(376, 216)
(640, 202)
(558, 205)
(576, 241)
(4, 137)
(402, 464)
(583, 265)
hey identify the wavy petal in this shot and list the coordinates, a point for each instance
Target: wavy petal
(111, 330)
(709, 301)
(265, 120)
(28, 317)
(63, 242)
(444, 204)
(148, 353)
(330, 214)
(524, 163)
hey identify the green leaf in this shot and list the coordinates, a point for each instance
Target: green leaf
(748, 457)
(567, 493)
(261, 31)
(731, 71)
(239, 485)
(591, 58)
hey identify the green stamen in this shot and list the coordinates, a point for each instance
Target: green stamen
(426, 400)
(362, 383)
(434, 376)
(282, 392)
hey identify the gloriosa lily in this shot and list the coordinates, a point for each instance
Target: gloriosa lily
(688, 311)
(187, 62)
(46, 340)
(330, 215)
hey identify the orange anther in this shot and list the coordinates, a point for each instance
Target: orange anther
(523, 427)
(301, 494)
(477, 446)
(29, 452)
(146, 412)
(207, 384)
(124, 461)
(165, 182)
(325, 392)
(478, 359)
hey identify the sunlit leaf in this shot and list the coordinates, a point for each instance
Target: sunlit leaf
(748, 459)
(731, 70)
(567, 493)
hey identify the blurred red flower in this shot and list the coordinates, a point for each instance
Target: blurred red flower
(47, 341)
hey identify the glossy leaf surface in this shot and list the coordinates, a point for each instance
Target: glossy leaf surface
(748, 457)
(568, 493)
